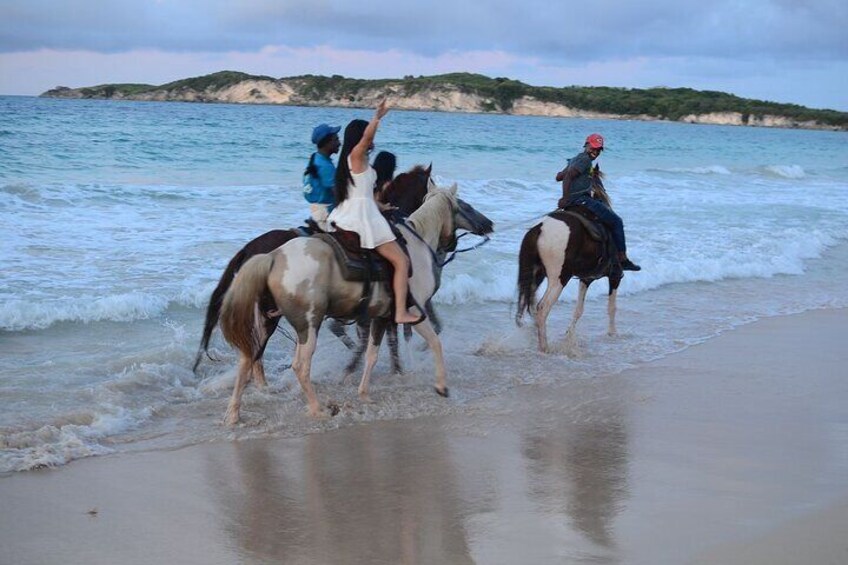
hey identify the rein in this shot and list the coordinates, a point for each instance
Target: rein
(456, 251)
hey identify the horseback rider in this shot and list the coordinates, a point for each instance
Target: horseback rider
(320, 173)
(357, 210)
(384, 164)
(576, 180)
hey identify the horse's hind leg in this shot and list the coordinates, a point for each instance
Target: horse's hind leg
(426, 331)
(302, 366)
(543, 309)
(258, 374)
(231, 417)
(270, 326)
(378, 328)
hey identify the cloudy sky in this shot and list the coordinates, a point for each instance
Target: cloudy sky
(781, 50)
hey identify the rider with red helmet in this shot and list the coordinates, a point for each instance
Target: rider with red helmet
(576, 180)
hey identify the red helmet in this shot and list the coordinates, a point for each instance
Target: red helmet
(595, 141)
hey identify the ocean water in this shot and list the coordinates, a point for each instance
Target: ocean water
(119, 217)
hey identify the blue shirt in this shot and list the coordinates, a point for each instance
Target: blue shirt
(319, 189)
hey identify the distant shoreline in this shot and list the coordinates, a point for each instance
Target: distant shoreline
(465, 93)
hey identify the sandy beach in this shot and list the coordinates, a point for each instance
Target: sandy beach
(732, 451)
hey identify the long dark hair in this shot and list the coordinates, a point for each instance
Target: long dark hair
(385, 164)
(352, 135)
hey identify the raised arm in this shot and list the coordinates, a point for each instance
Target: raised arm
(359, 154)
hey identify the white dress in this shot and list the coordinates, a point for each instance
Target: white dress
(360, 213)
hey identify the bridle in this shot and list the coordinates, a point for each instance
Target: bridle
(450, 249)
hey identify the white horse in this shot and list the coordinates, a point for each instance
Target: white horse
(303, 279)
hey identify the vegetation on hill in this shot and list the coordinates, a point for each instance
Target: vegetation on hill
(214, 81)
(499, 95)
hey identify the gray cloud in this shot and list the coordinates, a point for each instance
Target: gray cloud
(734, 29)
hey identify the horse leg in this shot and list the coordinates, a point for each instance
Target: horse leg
(434, 319)
(302, 365)
(231, 418)
(425, 330)
(259, 374)
(543, 309)
(611, 307)
(356, 358)
(571, 333)
(392, 335)
(339, 331)
(378, 328)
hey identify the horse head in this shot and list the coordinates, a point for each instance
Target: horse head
(598, 190)
(406, 192)
(443, 214)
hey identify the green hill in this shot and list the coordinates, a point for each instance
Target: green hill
(491, 95)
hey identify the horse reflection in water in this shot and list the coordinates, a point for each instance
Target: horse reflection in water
(578, 463)
(322, 499)
(303, 283)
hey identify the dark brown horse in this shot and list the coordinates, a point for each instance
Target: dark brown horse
(558, 248)
(406, 192)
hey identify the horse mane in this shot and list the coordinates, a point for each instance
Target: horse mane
(406, 192)
(431, 213)
(598, 190)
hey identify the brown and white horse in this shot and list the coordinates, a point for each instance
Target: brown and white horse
(557, 249)
(302, 281)
(406, 192)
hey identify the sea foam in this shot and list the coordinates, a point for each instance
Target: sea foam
(17, 315)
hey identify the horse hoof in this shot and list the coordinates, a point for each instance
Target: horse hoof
(443, 393)
(334, 408)
(231, 419)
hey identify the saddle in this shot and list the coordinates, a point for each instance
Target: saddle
(363, 265)
(357, 264)
(595, 229)
(310, 228)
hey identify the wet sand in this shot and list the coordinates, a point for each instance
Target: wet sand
(733, 451)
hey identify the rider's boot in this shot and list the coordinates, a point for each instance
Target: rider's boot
(627, 264)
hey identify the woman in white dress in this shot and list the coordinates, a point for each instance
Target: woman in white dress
(356, 210)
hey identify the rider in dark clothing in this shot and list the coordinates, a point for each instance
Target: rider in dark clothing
(576, 180)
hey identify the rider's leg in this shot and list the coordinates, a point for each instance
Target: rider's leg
(616, 226)
(400, 282)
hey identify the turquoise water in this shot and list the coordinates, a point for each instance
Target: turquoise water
(118, 218)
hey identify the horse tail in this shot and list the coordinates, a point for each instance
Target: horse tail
(265, 243)
(530, 272)
(240, 312)
(213, 311)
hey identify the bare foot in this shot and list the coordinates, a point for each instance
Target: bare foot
(407, 318)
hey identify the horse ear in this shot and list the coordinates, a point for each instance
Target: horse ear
(429, 169)
(453, 189)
